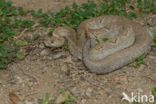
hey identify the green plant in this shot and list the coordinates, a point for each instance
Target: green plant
(147, 6)
(21, 43)
(7, 55)
(154, 41)
(6, 8)
(74, 15)
(138, 61)
(68, 97)
(9, 27)
(62, 91)
(71, 100)
(105, 39)
(50, 33)
(154, 92)
(125, 102)
(136, 102)
(45, 19)
(45, 99)
(66, 46)
(21, 11)
(23, 23)
(39, 13)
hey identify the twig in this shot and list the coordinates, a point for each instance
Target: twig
(21, 34)
(30, 76)
(94, 83)
(17, 37)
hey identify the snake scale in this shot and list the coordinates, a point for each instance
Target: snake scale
(106, 43)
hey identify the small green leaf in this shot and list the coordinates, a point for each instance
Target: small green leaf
(154, 91)
(21, 43)
(138, 61)
(20, 55)
(105, 39)
(45, 99)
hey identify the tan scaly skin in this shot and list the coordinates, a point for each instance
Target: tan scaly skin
(127, 40)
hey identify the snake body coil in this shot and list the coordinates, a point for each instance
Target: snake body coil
(126, 40)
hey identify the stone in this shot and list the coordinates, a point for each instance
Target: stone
(5, 76)
(41, 46)
(141, 67)
(76, 92)
(64, 68)
(83, 101)
(44, 52)
(89, 92)
(58, 55)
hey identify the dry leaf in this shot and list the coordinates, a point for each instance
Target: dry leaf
(14, 98)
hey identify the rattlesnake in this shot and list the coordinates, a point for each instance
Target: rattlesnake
(126, 40)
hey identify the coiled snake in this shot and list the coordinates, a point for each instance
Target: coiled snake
(106, 43)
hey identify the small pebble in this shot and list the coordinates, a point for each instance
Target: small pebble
(89, 92)
(59, 55)
(44, 52)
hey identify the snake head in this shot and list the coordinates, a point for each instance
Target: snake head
(55, 41)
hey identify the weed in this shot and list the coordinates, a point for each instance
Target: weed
(20, 55)
(50, 33)
(21, 11)
(71, 100)
(154, 92)
(45, 99)
(44, 19)
(21, 43)
(38, 13)
(68, 97)
(62, 91)
(6, 8)
(125, 102)
(74, 15)
(97, 40)
(147, 6)
(7, 55)
(23, 23)
(154, 41)
(105, 39)
(138, 61)
(66, 46)
(9, 26)
(6, 34)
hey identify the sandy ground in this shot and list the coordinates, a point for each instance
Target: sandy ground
(38, 74)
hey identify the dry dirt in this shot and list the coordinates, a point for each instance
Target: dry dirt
(39, 73)
(47, 5)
